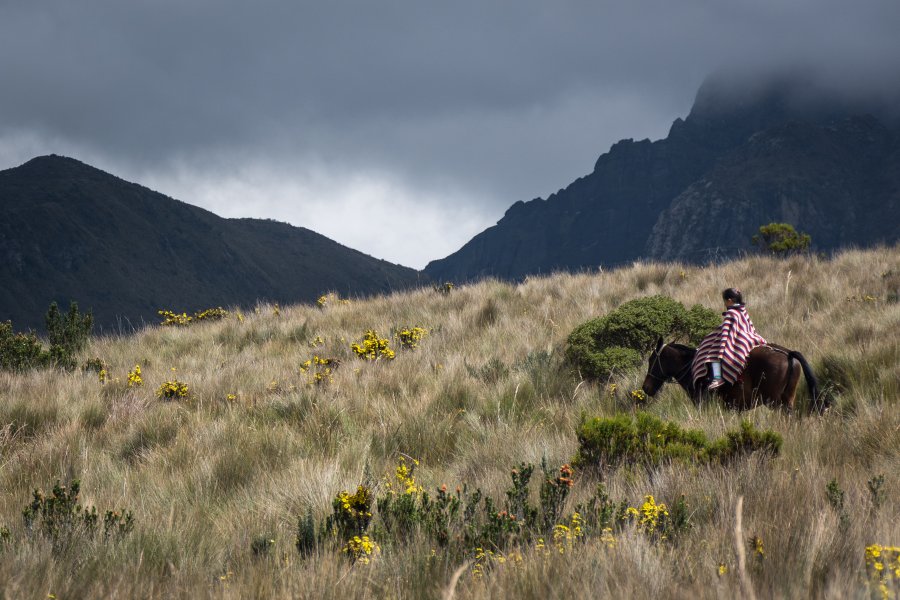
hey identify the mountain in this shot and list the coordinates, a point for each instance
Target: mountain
(747, 154)
(73, 232)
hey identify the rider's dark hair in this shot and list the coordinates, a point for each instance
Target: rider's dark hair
(733, 294)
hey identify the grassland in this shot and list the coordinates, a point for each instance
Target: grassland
(255, 445)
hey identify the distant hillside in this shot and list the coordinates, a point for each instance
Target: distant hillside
(746, 155)
(70, 231)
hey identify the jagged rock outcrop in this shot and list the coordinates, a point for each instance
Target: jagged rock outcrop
(746, 155)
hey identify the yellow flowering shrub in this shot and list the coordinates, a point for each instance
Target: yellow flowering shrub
(318, 370)
(351, 513)
(409, 337)
(565, 536)
(173, 390)
(171, 318)
(883, 569)
(489, 559)
(361, 549)
(180, 320)
(373, 347)
(134, 377)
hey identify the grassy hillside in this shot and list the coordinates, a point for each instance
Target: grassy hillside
(255, 446)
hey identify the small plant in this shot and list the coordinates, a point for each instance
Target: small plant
(373, 347)
(173, 319)
(883, 568)
(835, 496)
(134, 377)
(781, 239)
(351, 513)
(409, 337)
(318, 370)
(211, 314)
(361, 549)
(59, 515)
(555, 489)
(876, 491)
(490, 372)
(173, 390)
(306, 540)
(261, 545)
(94, 365)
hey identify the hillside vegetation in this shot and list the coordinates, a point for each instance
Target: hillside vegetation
(217, 478)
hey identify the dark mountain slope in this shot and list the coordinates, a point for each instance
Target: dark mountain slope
(71, 231)
(648, 198)
(833, 180)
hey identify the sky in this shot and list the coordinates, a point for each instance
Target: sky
(398, 128)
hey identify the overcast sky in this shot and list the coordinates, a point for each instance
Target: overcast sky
(400, 129)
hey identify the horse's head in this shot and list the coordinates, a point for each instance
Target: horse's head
(657, 374)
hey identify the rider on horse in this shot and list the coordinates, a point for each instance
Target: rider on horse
(723, 353)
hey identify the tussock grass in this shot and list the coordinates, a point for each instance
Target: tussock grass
(254, 446)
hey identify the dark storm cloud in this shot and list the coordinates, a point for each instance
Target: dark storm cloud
(452, 108)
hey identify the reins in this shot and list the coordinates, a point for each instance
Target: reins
(671, 378)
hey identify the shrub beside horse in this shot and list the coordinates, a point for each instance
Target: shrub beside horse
(770, 377)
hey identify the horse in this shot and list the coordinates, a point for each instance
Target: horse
(769, 378)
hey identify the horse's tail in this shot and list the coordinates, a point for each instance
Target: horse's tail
(818, 403)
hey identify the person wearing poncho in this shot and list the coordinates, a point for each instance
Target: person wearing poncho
(724, 352)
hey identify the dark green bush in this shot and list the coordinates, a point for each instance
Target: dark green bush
(600, 347)
(60, 518)
(67, 334)
(644, 439)
(781, 238)
(20, 351)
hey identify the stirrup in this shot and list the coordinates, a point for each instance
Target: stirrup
(716, 384)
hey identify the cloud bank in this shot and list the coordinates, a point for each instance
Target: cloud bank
(396, 128)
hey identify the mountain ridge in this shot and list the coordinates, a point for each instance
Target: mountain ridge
(627, 208)
(73, 231)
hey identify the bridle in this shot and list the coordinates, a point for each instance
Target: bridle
(670, 378)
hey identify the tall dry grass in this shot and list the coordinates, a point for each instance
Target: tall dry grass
(487, 389)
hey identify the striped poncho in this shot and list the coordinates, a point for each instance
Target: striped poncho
(731, 344)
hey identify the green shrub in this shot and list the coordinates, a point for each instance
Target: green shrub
(67, 334)
(20, 351)
(644, 439)
(781, 238)
(600, 347)
(59, 516)
(306, 540)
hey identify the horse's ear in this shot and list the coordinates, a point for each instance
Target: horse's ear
(659, 344)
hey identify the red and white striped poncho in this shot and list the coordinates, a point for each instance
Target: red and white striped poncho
(730, 344)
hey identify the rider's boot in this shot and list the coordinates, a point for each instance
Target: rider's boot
(717, 381)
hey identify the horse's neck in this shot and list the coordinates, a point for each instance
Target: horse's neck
(683, 359)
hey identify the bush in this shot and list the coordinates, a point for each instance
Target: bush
(20, 351)
(781, 238)
(59, 517)
(602, 346)
(67, 335)
(647, 440)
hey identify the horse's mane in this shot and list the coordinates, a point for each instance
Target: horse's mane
(683, 348)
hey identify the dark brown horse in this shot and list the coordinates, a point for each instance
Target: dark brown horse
(769, 378)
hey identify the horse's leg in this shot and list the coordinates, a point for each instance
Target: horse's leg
(791, 381)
